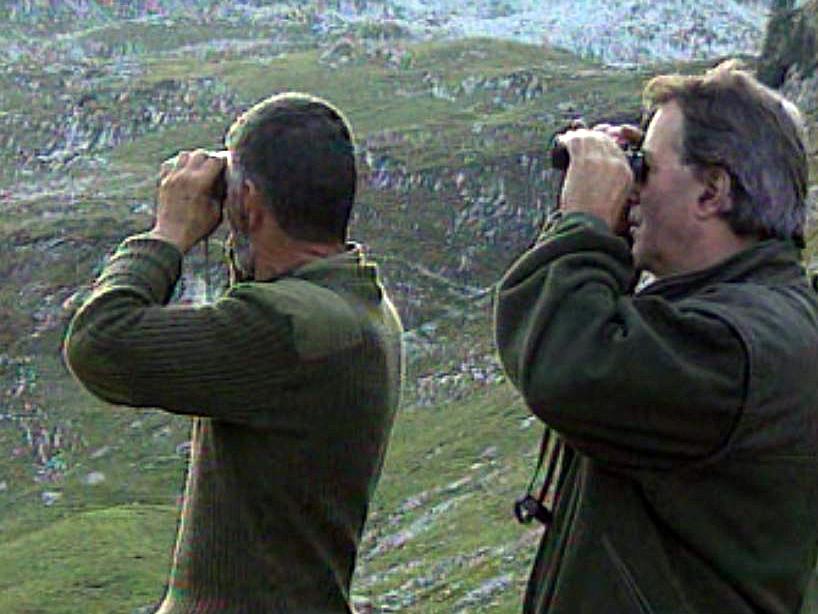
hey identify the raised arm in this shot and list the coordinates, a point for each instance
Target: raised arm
(127, 346)
(637, 381)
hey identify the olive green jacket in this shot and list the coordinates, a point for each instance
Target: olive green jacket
(692, 407)
(293, 386)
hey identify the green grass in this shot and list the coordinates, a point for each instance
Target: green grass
(107, 546)
(140, 466)
(110, 560)
(160, 37)
(144, 154)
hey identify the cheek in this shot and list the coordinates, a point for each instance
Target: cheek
(652, 214)
(658, 201)
(648, 207)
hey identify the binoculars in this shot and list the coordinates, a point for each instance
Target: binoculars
(560, 159)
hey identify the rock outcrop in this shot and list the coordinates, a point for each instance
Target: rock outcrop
(791, 44)
(789, 63)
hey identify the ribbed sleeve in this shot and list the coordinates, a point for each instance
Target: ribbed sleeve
(144, 264)
(214, 360)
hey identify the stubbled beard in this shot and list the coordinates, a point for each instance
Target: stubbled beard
(239, 257)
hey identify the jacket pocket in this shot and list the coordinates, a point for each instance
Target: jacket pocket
(637, 597)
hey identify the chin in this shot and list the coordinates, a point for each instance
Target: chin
(643, 263)
(636, 254)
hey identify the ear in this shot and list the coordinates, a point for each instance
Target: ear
(236, 200)
(714, 199)
(255, 210)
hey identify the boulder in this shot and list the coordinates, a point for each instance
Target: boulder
(50, 497)
(94, 478)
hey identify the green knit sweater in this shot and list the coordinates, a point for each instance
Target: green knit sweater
(292, 384)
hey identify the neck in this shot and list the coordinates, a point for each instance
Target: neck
(289, 254)
(712, 249)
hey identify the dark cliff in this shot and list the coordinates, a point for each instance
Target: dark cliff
(790, 45)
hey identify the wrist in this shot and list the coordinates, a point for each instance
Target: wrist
(176, 238)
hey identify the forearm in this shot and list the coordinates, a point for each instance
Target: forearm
(127, 346)
(142, 273)
(532, 294)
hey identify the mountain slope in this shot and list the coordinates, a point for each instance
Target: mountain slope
(454, 183)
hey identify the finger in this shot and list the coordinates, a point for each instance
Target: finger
(198, 157)
(176, 162)
(572, 135)
(585, 144)
(575, 143)
(217, 158)
(569, 140)
(165, 178)
(585, 136)
(210, 168)
(614, 132)
(631, 133)
(168, 165)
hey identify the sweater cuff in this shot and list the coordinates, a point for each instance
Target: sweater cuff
(584, 232)
(150, 264)
(559, 222)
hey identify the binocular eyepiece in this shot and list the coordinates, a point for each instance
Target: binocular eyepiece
(219, 190)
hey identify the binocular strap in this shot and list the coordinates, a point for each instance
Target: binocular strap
(559, 455)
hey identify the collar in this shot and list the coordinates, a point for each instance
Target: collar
(351, 261)
(767, 260)
(349, 269)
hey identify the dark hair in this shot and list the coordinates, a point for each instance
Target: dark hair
(733, 121)
(298, 150)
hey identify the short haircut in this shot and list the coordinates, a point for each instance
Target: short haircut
(299, 151)
(733, 121)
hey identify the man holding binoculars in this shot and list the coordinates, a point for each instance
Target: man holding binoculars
(292, 377)
(683, 414)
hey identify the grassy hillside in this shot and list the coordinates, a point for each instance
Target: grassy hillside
(102, 561)
(454, 183)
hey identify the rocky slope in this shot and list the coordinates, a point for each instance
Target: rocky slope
(454, 181)
(789, 62)
(790, 50)
(614, 31)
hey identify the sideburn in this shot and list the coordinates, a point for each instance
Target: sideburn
(238, 253)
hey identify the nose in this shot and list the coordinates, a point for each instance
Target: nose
(633, 196)
(632, 204)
